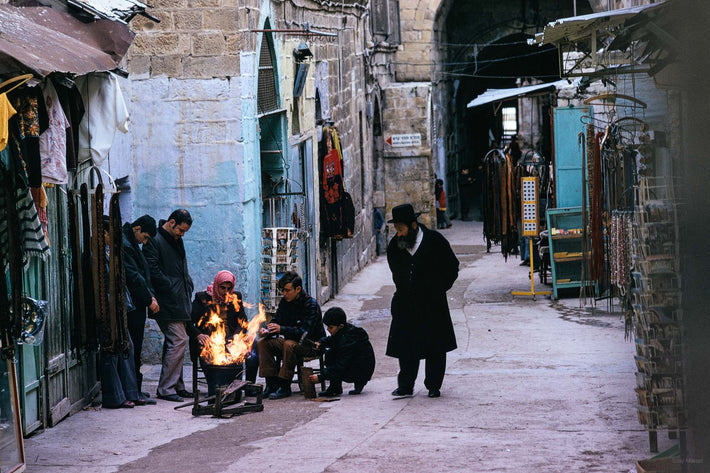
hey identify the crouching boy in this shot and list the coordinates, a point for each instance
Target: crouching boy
(348, 357)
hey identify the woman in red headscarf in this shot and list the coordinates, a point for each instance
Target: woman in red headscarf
(220, 292)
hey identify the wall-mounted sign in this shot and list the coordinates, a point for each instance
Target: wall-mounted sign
(401, 141)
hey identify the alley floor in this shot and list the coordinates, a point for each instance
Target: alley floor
(534, 386)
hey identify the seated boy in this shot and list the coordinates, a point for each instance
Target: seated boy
(349, 355)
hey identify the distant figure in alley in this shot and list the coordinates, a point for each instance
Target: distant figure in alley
(423, 268)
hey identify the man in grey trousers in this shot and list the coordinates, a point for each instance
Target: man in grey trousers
(173, 289)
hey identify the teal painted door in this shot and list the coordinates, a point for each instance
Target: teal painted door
(30, 357)
(569, 159)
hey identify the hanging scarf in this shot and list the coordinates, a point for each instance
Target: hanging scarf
(222, 276)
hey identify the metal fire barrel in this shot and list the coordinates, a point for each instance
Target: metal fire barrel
(220, 375)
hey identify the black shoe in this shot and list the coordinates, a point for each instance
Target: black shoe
(358, 388)
(271, 386)
(184, 393)
(280, 393)
(145, 395)
(171, 397)
(434, 393)
(402, 392)
(330, 393)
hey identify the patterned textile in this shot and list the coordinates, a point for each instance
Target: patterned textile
(31, 236)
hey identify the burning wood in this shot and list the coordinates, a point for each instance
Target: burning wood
(224, 348)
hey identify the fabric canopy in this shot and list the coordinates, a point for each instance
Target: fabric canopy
(497, 95)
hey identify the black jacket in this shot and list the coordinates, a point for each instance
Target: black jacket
(201, 306)
(300, 317)
(137, 272)
(169, 276)
(349, 355)
(421, 322)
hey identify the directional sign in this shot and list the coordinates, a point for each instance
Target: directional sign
(401, 141)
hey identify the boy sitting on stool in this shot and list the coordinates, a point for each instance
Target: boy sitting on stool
(349, 355)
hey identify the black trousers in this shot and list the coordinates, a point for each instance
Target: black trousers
(136, 327)
(434, 369)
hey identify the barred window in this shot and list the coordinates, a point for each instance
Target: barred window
(267, 96)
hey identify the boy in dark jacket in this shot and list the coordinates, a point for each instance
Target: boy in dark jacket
(348, 357)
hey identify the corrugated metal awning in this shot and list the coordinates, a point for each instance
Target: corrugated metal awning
(497, 95)
(120, 10)
(569, 30)
(42, 40)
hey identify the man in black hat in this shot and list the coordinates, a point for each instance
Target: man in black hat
(423, 268)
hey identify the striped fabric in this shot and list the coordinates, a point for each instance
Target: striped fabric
(32, 237)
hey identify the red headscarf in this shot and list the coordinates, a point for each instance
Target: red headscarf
(222, 276)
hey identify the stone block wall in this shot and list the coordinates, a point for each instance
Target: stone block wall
(408, 171)
(413, 60)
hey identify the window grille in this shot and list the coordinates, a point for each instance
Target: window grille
(267, 99)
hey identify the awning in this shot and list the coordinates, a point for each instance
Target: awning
(43, 40)
(119, 10)
(569, 30)
(497, 95)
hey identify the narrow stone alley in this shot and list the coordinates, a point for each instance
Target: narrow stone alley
(534, 386)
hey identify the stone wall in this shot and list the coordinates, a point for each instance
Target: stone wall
(408, 171)
(413, 61)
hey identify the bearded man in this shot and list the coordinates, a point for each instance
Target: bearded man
(423, 268)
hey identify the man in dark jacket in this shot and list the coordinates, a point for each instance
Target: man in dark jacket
(423, 268)
(173, 289)
(138, 283)
(349, 355)
(297, 318)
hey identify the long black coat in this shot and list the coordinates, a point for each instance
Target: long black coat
(349, 356)
(137, 272)
(169, 276)
(421, 322)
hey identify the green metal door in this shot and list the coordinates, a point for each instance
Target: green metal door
(30, 358)
(569, 161)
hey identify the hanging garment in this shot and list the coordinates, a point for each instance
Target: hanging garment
(39, 196)
(333, 187)
(31, 237)
(73, 108)
(53, 142)
(32, 121)
(105, 113)
(6, 112)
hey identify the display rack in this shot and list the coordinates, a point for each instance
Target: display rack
(279, 253)
(565, 238)
(656, 307)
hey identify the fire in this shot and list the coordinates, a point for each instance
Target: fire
(218, 350)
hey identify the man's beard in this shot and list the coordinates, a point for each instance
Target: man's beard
(407, 242)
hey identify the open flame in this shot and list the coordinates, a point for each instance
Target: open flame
(218, 350)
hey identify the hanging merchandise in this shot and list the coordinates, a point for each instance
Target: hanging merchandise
(73, 108)
(339, 217)
(500, 207)
(105, 113)
(118, 304)
(53, 142)
(31, 121)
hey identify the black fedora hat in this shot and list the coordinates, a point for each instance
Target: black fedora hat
(404, 214)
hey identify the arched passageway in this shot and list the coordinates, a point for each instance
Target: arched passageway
(483, 45)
